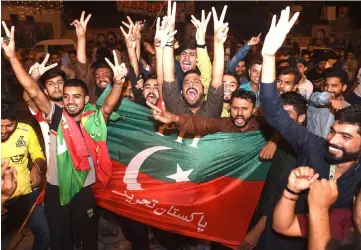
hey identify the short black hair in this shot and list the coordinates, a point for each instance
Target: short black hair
(296, 100)
(302, 61)
(283, 61)
(338, 73)
(50, 74)
(192, 71)
(77, 83)
(350, 115)
(189, 44)
(9, 110)
(103, 64)
(289, 70)
(232, 73)
(255, 62)
(244, 94)
(150, 76)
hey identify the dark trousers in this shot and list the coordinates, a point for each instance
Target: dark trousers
(78, 218)
(18, 208)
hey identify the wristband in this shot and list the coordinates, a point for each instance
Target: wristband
(202, 46)
(290, 191)
(288, 198)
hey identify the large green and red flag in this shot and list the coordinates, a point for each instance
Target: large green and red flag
(206, 187)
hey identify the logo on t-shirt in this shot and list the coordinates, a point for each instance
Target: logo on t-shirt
(17, 158)
(21, 142)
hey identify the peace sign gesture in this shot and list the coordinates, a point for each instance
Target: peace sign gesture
(163, 33)
(201, 27)
(220, 28)
(8, 42)
(80, 27)
(136, 28)
(162, 115)
(37, 70)
(171, 14)
(277, 33)
(129, 37)
(119, 70)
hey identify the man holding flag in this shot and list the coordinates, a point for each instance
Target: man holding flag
(78, 151)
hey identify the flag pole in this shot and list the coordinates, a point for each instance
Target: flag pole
(158, 15)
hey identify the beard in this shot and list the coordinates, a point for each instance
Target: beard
(246, 121)
(346, 156)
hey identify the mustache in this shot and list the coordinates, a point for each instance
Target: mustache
(191, 89)
(150, 95)
(240, 116)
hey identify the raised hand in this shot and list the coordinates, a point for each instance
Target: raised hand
(255, 40)
(8, 42)
(201, 27)
(37, 70)
(277, 33)
(148, 47)
(163, 34)
(161, 114)
(8, 180)
(220, 28)
(171, 14)
(80, 26)
(120, 71)
(323, 193)
(129, 37)
(301, 178)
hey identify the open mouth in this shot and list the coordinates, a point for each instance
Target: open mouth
(186, 65)
(192, 94)
(334, 151)
(71, 107)
(103, 85)
(151, 98)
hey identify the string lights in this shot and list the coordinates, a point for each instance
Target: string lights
(25, 8)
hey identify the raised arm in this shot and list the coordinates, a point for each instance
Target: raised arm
(29, 85)
(203, 61)
(80, 28)
(168, 54)
(323, 193)
(285, 220)
(131, 44)
(220, 36)
(243, 52)
(119, 72)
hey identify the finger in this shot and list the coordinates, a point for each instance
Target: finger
(109, 63)
(115, 58)
(163, 107)
(333, 185)
(215, 17)
(7, 31)
(12, 34)
(173, 33)
(282, 18)
(155, 108)
(130, 21)
(124, 33)
(207, 19)
(51, 66)
(203, 16)
(130, 31)
(169, 10)
(31, 70)
(225, 31)
(82, 16)
(221, 19)
(194, 23)
(314, 178)
(174, 11)
(193, 18)
(306, 172)
(45, 60)
(87, 19)
(311, 173)
(76, 21)
(224, 26)
(158, 23)
(293, 20)
(273, 23)
(259, 36)
(125, 24)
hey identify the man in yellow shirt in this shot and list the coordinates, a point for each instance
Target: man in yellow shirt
(17, 141)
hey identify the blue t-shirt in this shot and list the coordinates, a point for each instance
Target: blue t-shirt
(247, 87)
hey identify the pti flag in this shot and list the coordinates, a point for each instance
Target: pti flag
(203, 187)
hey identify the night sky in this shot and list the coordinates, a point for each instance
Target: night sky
(245, 18)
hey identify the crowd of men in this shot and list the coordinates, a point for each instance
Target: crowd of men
(309, 109)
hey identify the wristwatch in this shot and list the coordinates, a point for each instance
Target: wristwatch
(203, 46)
